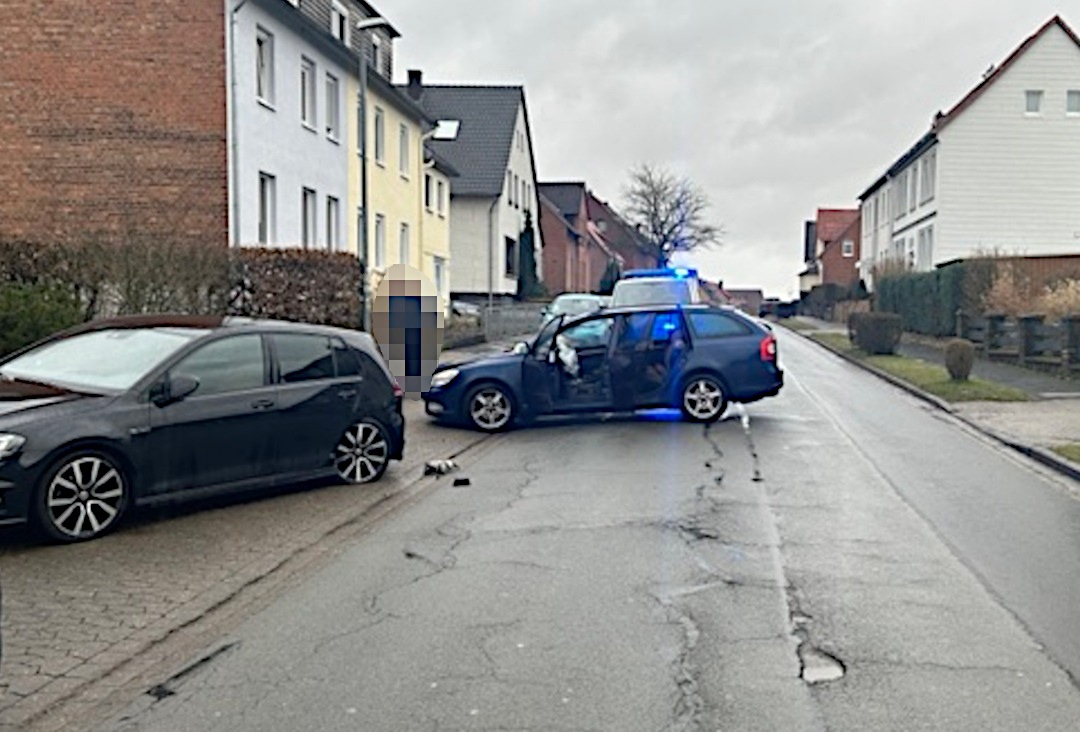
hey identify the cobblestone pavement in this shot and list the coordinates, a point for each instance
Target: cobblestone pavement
(73, 615)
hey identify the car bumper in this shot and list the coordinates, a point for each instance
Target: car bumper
(16, 488)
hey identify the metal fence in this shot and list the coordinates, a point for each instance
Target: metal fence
(510, 320)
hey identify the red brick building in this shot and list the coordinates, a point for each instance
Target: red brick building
(576, 257)
(114, 121)
(838, 246)
(622, 238)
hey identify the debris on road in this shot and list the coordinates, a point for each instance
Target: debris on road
(460, 482)
(440, 467)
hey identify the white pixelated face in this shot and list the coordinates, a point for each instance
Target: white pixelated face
(407, 323)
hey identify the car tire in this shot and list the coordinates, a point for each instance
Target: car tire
(362, 455)
(82, 496)
(489, 408)
(703, 398)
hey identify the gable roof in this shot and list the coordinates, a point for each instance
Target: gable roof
(832, 222)
(942, 120)
(566, 197)
(547, 203)
(488, 116)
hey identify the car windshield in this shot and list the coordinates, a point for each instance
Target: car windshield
(100, 361)
(575, 305)
(631, 293)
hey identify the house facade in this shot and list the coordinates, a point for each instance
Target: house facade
(994, 174)
(839, 255)
(575, 261)
(494, 194)
(628, 244)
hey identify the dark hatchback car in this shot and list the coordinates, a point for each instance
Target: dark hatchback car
(144, 409)
(697, 358)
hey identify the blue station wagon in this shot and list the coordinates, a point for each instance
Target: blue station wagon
(697, 358)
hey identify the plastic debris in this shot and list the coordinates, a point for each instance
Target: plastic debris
(440, 467)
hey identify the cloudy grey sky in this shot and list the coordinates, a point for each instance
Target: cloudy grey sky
(774, 107)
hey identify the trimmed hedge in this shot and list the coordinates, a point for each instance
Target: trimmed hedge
(959, 358)
(878, 333)
(927, 302)
(30, 312)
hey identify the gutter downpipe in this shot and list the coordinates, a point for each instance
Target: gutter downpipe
(491, 271)
(235, 183)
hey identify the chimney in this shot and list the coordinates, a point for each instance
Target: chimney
(416, 83)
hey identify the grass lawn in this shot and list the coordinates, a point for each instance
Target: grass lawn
(1069, 452)
(796, 324)
(927, 376)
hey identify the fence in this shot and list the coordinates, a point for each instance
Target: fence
(1027, 341)
(501, 321)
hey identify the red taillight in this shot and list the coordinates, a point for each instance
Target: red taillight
(768, 348)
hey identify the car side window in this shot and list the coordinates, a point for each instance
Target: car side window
(370, 371)
(545, 337)
(633, 330)
(717, 325)
(228, 365)
(665, 327)
(590, 334)
(303, 357)
(345, 359)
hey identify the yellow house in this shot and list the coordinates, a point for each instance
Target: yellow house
(408, 190)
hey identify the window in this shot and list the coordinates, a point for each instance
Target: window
(429, 201)
(929, 164)
(511, 257)
(339, 22)
(514, 193)
(267, 198)
(303, 357)
(441, 197)
(333, 116)
(1072, 102)
(403, 244)
(524, 199)
(716, 325)
(847, 248)
(589, 334)
(439, 266)
(264, 66)
(1033, 101)
(928, 259)
(901, 195)
(333, 224)
(380, 240)
(377, 54)
(228, 365)
(307, 216)
(913, 175)
(403, 150)
(509, 188)
(665, 327)
(345, 361)
(380, 136)
(307, 92)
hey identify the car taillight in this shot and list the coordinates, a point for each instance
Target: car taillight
(768, 348)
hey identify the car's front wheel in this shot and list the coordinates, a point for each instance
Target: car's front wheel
(489, 408)
(82, 496)
(363, 453)
(703, 398)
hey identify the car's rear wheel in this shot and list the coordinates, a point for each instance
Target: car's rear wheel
(703, 398)
(363, 453)
(490, 408)
(82, 496)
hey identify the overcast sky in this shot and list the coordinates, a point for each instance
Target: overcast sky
(774, 107)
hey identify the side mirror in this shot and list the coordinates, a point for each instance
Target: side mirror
(551, 357)
(520, 348)
(174, 390)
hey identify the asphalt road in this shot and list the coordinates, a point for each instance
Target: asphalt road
(842, 558)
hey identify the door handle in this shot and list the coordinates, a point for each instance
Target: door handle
(262, 403)
(347, 393)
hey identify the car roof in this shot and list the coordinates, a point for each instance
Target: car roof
(698, 307)
(202, 322)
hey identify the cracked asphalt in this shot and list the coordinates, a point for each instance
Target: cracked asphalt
(773, 571)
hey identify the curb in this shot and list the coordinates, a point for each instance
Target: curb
(1046, 457)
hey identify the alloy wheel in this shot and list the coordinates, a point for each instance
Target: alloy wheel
(85, 497)
(362, 454)
(703, 399)
(490, 408)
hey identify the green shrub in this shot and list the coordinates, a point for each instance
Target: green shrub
(959, 358)
(853, 324)
(28, 313)
(878, 333)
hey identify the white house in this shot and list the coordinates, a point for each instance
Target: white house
(994, 174)
(289, 117)
(496, 186)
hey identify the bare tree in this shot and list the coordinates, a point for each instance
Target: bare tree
(669, 211)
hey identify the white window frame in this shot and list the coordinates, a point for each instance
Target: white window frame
(264, 66)
(847, 248)
(404, 243)
(438, 270)
(913, 188)
(1072, 103)
(267, 207)
(339, 22)
(514, 194)
(333, 223)
(1033, 98)
(380, 136)
(403, 150)
(440, 197)
(380, 240)
(928, 173)
(333, 107)
(377, 55)
(308, 217)
(429, 194)
(307, 92)
(509, 188)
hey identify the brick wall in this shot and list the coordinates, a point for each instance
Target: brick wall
(558, 247)
(114, 120)
(837, 269)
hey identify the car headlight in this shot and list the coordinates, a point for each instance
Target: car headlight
(10, 444)
(442, 378)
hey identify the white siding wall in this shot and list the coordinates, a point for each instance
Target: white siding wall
(469, 244)
(1009, 181)
(273, 140)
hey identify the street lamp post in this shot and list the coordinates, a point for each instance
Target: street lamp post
(365, 317)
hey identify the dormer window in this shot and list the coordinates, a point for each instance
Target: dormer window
(377, 55)
(339, 22)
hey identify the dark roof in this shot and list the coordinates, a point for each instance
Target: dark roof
(547, 203)
(567, 197)
(481, 151)
(441, 163)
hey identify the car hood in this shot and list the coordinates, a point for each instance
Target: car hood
(17, 410)
(503, 360)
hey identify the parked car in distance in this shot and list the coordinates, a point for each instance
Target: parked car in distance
(465, 310)
(572, 303)
(697, 358)
(653, 287)
(144, 409)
